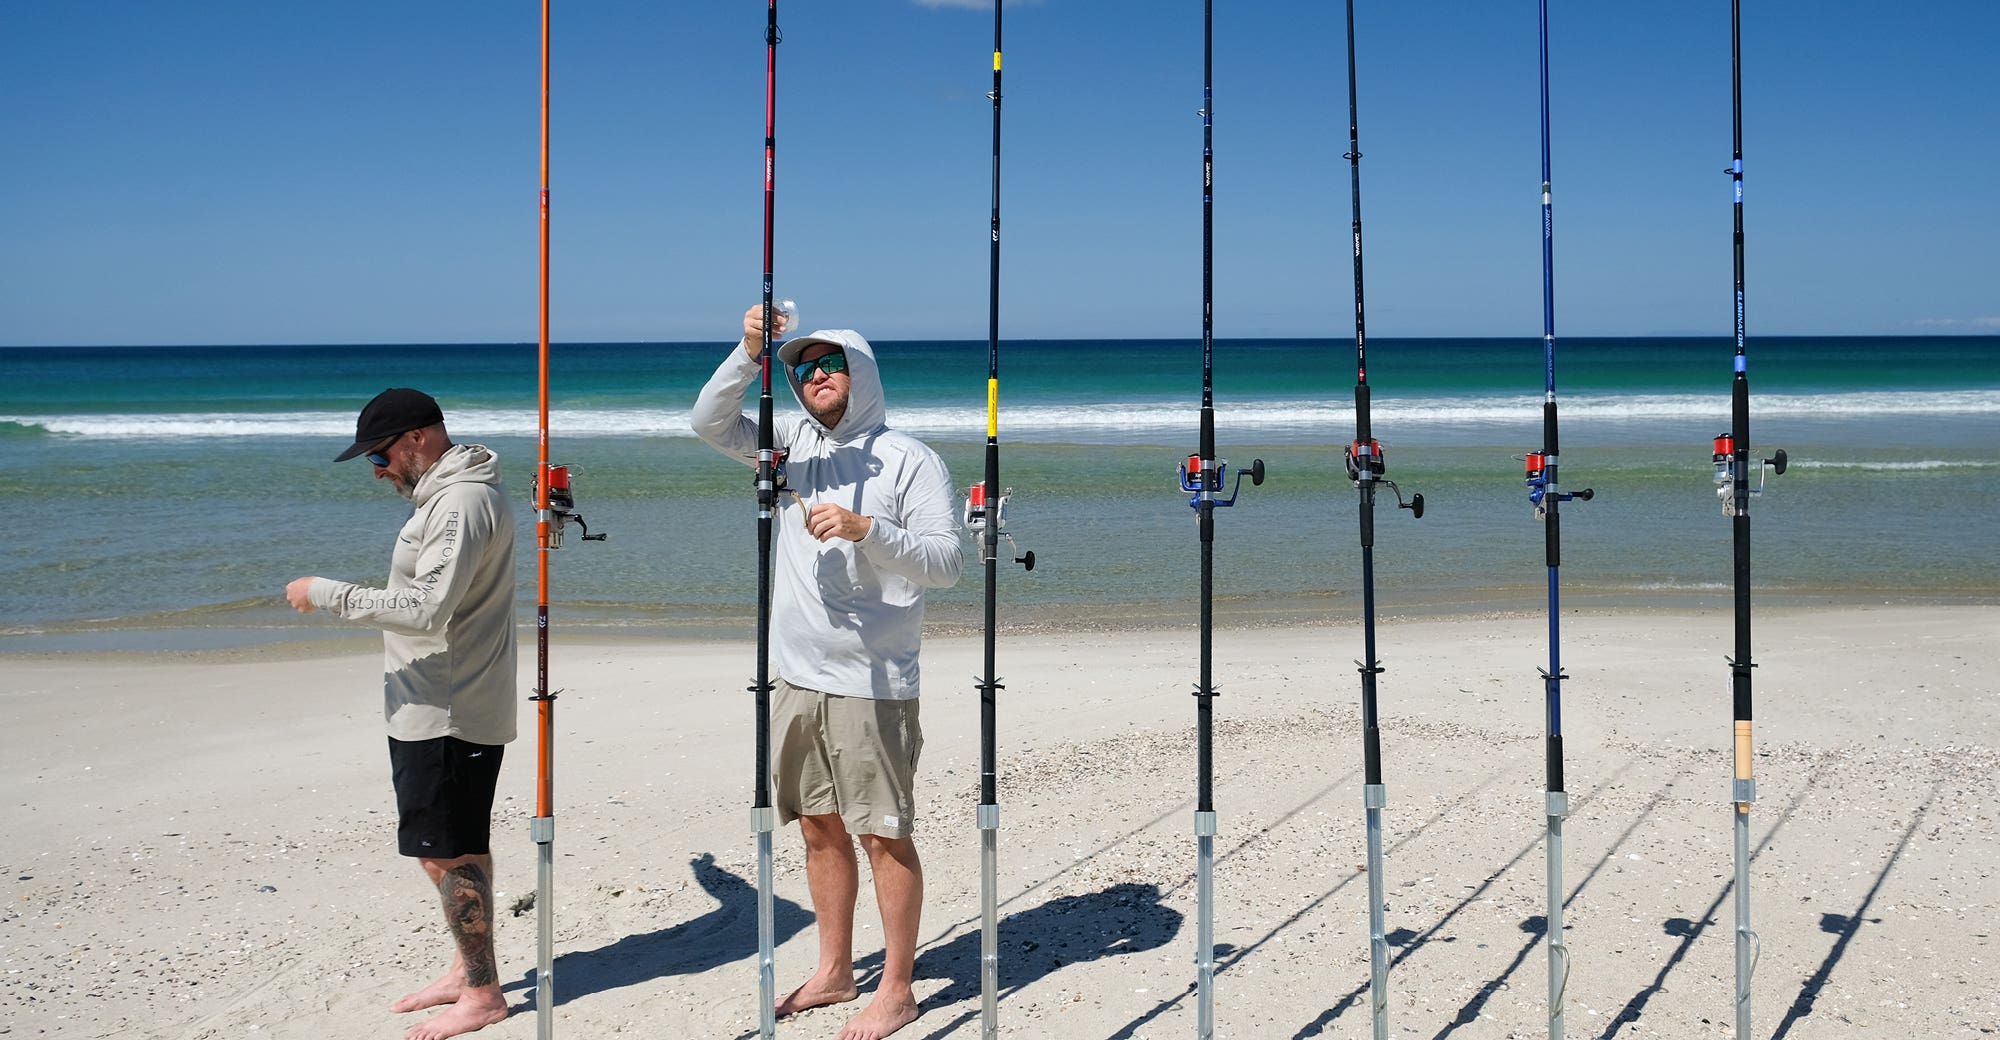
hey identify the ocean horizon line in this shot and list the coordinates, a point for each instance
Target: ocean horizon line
(1498, 337)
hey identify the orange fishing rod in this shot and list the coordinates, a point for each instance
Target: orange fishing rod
(544, 824)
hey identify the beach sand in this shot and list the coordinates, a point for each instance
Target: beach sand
(202, 845)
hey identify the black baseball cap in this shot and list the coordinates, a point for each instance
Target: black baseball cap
(393, 412)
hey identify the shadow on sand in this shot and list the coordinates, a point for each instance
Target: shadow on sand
(726, 933)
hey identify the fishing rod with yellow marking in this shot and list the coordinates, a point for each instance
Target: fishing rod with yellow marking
(985, 519)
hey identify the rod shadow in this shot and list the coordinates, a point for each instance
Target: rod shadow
(1845, 926)
(724, 934)
(1125, 918)
(1227, 956)
(1537, 926)
(1407, 942)
(1688, 930)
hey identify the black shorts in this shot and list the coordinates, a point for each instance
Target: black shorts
(444, 796)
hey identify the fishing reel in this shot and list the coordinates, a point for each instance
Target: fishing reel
(779, 485)
(1541, 468)
(980, 510)
(1366, 463)
(1192, 472)
(1726, 477)
(562, 507)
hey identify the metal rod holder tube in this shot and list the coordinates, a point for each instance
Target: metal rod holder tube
(1376, 796)
(765, 819)
(989, 921)
(1204, 942)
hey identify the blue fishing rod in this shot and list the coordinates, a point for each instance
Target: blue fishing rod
(985, 518)
(1366, 467)
(1546, 495)
(1204, 476)
(1732, 477)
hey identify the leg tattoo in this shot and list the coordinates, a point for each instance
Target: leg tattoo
(468, 909)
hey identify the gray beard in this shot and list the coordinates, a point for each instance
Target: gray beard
(409, 490)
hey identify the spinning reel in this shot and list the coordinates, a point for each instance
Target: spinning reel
(1366, 464)
(562, 508)
(1541, 467)
(979, 510)
(1726, 476)
(1194, 470)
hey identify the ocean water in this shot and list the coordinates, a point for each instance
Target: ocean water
(164, 495)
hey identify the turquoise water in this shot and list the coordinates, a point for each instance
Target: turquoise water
(179, 488)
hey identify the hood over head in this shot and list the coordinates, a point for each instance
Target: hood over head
(867, 409)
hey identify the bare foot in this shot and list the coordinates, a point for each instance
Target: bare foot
(883, 1015)
(474, 1009)
(445, 990)
(818, 992)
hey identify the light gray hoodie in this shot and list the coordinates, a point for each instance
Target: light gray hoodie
(847, 617)
(447, 617)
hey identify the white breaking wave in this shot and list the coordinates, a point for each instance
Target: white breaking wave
(1885, 467)
(1112, 416)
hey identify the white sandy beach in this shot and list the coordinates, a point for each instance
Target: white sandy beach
(202, 846)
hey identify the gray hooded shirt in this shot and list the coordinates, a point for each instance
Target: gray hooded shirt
(847, 617)
(447, 617)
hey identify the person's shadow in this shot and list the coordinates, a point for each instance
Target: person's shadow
(724, 934)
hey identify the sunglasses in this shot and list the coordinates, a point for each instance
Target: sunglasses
(832, 364)
(380, 456)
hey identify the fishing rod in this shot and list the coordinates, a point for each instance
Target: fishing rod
(985, 518)
(1204, 476)
(555, 506)
(763, 817)
(1366, 467)
(1546, 495)
(1732, 477)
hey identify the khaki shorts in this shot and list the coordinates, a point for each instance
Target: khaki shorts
(855, 757)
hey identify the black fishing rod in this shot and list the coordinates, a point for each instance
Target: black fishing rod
(1366, 468)
(1204, 476)
(985, 517)
(1732, 476)
(1546, 495)
(763, 816)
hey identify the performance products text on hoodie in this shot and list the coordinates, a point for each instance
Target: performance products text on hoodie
(447, 617)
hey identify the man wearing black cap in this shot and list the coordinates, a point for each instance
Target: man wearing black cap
(449, 681)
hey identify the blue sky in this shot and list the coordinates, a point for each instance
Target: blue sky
(251, 172)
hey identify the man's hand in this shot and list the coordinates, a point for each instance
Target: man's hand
(299, 593)
(753, 329)
(827, 520)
